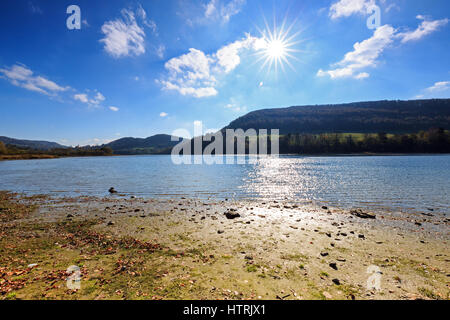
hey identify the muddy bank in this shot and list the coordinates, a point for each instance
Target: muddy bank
(191, 249)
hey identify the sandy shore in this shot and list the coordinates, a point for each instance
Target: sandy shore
(191, 249)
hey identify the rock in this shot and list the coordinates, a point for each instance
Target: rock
(110, 223)
(417, 223)
(232, 214)
(361, 214)
(328, 234)
(324, 207)
(69, 216)
(248, 258)
(361, 236)
(220, 231)
(324, 254)
(112, 190)
(427, 214)
(333, 265)
(336, 281)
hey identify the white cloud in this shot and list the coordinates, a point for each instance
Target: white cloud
(124, 36)
(149, 23)
(439, 86)
(440, 89)
(115, 109)
(392, 6)
(345, 8)
(92, 102)
(218, 10)
(21, 76)
(195, 73)
(190, 74)
(34, 8)
(236, 108)
(367, 52)
(163, 114)
(424, 29)
(364, 55)
(81, 97)
(160, 51)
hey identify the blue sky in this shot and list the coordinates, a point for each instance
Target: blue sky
(138, 68)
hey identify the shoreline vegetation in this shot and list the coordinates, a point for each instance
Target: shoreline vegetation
(433, 141)
(181, 248)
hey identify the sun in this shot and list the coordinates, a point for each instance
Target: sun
(277, 47)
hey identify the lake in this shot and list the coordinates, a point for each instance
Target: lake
(412, 183)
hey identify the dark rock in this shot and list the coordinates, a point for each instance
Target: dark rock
(69, 216)
(417, 223)
(333, 265)
(336, 281)
(361, 214)
(232, 215)
(324, 254)
(112, 190)
(324, 207)
(110, 223)
(427, 214)
(248, 257)
(220, 231)
(361, 236)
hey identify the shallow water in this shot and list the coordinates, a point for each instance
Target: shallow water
(404, 183)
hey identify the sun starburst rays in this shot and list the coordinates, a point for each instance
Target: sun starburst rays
(277, 47)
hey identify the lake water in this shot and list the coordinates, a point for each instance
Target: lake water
(383, 182)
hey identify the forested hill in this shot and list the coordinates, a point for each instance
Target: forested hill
(359, 117)
(33, 144)
(160, 143)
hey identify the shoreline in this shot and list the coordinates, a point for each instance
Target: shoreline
(190, 249)
(47, 157)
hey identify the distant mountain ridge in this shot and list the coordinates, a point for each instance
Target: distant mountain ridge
(160, 143)
(32, 144)
(359, 117)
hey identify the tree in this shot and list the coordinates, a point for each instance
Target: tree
(3, 149)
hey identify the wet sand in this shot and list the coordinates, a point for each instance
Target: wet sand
(271, 250)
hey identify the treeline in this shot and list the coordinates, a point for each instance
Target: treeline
(15, 152)
(431, 141)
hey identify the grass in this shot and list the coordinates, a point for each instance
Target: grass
(295, 257)
(428, 293)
